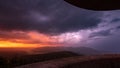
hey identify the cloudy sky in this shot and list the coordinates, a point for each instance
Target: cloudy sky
(39, 23)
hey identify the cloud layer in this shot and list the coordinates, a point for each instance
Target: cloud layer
(53, 22)
(49, 17)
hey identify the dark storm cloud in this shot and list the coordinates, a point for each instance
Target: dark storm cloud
(116, 20)
(25, 15)
(111, 44)
(118, 27)
(101, 33)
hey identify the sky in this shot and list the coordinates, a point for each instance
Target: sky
(41, 23)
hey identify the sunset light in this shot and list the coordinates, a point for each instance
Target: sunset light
(35, 39)
(27, 40)
(4, 44)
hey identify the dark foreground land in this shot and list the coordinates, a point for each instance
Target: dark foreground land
(6, 62)
(98, 61)
(58, 59)
(105, 61)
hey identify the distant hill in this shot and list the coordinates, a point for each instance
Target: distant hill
(78, 50)
(83, 50)
(28, 59)
(8, 53)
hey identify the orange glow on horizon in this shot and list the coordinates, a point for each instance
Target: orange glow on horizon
(40, 37)
(7, 44)
(34, 40)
